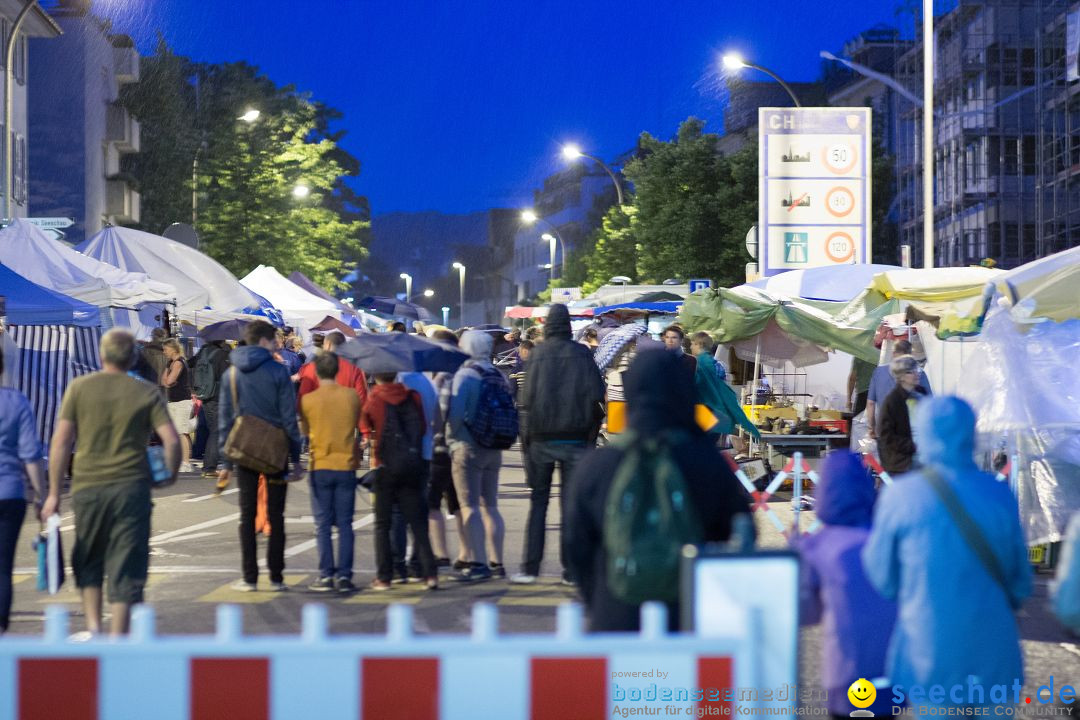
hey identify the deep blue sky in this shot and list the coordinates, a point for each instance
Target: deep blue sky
(462, 105)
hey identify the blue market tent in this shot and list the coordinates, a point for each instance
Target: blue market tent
(54, 339)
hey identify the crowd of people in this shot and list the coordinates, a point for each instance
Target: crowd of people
(904, 579)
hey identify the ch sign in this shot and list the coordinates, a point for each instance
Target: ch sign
(813, 187)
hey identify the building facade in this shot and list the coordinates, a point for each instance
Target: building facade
(36, 24)
(79, 130)
(570, 205)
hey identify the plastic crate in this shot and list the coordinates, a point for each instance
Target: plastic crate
(841, 425)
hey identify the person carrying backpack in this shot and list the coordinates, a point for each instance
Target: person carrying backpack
(483, 423)
(210, 364)
(617, 553)
(393, 422)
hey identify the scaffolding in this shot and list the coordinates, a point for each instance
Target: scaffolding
(1007, 155)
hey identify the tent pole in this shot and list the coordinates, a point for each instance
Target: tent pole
(753, 387)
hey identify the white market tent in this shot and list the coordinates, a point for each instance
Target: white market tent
(52, 264)
(205, 291)
(301, 308)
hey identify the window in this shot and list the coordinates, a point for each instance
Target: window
(1027, 157)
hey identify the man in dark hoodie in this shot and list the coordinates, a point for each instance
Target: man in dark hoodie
(263, 389)
(658, 400)
(563, 394)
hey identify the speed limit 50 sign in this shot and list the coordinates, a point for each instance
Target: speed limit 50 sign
(814, 187)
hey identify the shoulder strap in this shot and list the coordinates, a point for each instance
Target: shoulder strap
(236, 403)
(969, 529)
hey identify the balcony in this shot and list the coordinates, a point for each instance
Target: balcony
(112, 160)
(126, 63)
(121, 202)
(122, 129)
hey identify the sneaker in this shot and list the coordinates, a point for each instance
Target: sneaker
(209, 475)
(498, 570)
(432, 583)
(414, 575)
(567, 581)
(186, 467)
(460, 565)
(220, 487)
(278, 587)
(380, 585)
(323, 584)
(344, 586)
(243, 586)
(474, 573)
(523, 579)
(442, 562)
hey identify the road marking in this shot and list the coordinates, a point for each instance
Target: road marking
(534, 600)
(308, 544)
(182, 538)
(386, 597)
(193, 528)
(19, 578)
(211, 496)
(226, 594)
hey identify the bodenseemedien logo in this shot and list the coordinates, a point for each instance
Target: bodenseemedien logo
(862, 694)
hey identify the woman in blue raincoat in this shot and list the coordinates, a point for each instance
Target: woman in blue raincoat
(714, 393)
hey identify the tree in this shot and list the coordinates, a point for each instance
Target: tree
(248, 213)
(615, 249)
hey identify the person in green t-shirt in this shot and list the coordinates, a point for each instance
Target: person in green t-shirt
(109, 416)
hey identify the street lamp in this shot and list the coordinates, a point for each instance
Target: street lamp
(734, 62)
(528, 217)
(572, 152)
(461, 279)
(446, 315)
(301, 191)
(429, 293)
(551, 247)
(250, 115)
(408, 285)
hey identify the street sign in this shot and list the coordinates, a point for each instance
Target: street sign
(183, 234)
(751, 242)
(565, 295)
(700, 284)
(813, 188)
(52, 223)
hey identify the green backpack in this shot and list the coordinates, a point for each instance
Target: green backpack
(647, 520)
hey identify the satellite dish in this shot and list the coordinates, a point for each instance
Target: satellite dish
(182, 233)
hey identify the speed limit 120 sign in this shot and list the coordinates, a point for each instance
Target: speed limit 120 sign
(814, 184)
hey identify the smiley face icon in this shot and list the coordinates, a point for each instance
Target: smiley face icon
(862, 693)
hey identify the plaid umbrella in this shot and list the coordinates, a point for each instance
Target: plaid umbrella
(615, 341)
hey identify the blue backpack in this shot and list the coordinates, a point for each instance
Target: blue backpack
(494, 422)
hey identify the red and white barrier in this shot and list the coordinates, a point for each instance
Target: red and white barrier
(391, 677)
(872, 462)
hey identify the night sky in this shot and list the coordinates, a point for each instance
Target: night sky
(462, 105)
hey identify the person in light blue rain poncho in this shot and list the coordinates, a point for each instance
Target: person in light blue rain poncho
(955, 625)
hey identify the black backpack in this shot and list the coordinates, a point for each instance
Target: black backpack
(205, 379)
(401, 442)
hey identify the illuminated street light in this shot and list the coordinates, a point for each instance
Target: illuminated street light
(528, 217)
(301, 191)
(429, 293)
(734, 62)
(572, 152)
(446, 315)
(250, 115)
(461, 279)
(408, 285)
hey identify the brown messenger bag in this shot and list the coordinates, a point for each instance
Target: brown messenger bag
(255, 443)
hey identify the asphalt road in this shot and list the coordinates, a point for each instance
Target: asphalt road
(195, 557)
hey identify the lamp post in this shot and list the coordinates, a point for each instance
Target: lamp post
(528, 217)
(551, 248)
(734, 62)
(572, 152)
(408, 285)
(446, 315)
(461, 302)
(9, 80)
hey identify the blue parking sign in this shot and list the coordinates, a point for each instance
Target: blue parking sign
(700, 284)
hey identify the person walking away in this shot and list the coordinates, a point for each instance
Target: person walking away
(673, 337)
(177, 383)
(393, 422)
(946, 543)
(152, 356)
(517, 382)
(564, 396)
(715, 394)
(857, 621)
(329, 418)
(429, 399)
(210, 364)
(896, 441)
(660, 406)
(348, 374)
(108, 417)
(442, 477)
(21, 459)
(881, 384)
(262, 389)
(475, 461)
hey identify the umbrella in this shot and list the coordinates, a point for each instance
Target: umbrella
(834, 283)
(394, 308)
(615, 341)
(331, 323)
(227, 330)
(638, 308)
(401, 352)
